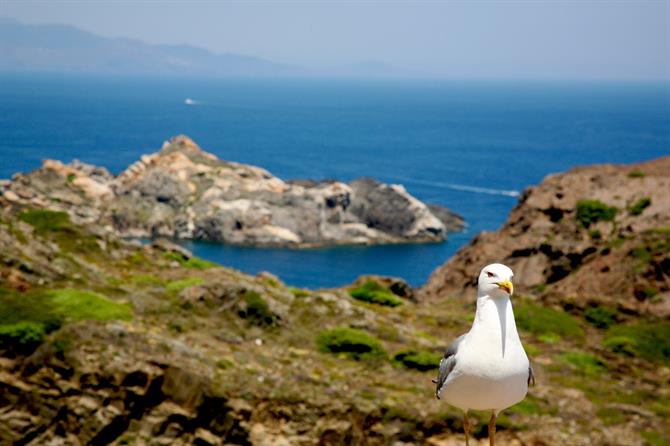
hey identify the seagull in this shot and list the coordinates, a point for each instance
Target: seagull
(487, 368)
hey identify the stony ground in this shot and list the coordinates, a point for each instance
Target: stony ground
(107, 342)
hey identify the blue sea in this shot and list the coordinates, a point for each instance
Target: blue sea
(472, 146)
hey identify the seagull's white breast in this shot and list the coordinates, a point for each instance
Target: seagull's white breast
(491, 370)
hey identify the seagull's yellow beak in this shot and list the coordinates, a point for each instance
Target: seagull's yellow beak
(507, 286)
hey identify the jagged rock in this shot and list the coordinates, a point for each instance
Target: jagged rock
(184, 192)
(554, 255)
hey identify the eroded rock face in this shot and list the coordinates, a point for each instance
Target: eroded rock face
(183, 192)
(580, 257)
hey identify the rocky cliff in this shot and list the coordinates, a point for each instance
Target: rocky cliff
(596, 235)
(184, 192)
(104, 341)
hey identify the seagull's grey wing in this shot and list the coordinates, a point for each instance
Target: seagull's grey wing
(447, 364)
(531, 375)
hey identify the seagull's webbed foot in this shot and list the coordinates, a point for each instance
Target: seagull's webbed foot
(466, 428)
(492, 429)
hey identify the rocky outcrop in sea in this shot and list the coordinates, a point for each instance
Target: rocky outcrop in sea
(184, 192)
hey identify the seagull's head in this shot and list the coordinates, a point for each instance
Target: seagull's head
(495, 280)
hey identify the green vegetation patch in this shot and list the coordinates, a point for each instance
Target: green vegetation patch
(600, 317)
(593, 211)
(586, 363)
(25, 318)
(74, 304)
(192, 263)
(58, 227)
(256, 310)
(542, 320)
(177, 285)
(647, 340)
(639, 206)
(418, 359)
(375, 293)
(636, 174)
(610, 416)
(23, 336)
(355, 344)
(46, 221)
(299, 292)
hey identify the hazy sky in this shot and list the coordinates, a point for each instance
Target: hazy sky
(502, 39)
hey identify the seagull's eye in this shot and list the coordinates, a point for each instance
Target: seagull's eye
(490, 274)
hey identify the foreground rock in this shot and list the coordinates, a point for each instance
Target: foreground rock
(184, 192)
(593, 235)
(105, 341)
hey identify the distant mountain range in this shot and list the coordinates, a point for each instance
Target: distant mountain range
(64, 48)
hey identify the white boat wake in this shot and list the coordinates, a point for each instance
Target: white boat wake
(464, 188)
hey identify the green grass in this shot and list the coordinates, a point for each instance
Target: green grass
(177, 285)
(375, 293)
(25, 318)
(636, 174)
(192, 263)
(418, 359)
(593, 211)
(543, 321)
(527, 406)
(583, 362)
(646, 339)
(639, 206)
(355, 344)
(75, 305)
(600, 317)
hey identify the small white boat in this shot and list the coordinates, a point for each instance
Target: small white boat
(189, 101)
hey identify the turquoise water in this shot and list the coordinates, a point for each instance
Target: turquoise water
(471, 146)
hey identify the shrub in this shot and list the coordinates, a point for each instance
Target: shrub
(256, 310)
(647, 340)
(22, 336)
(639, 206)
(420, 360)
(595, 234)
(542, 320)
(600, 317)
(375, 293)
(593, 211)
(636, 174)
(356, 344)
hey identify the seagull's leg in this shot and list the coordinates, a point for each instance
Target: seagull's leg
(466, 428)
(492, 429)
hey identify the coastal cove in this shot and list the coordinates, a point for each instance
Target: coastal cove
(470, 146)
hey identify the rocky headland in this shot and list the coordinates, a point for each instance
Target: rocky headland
(184, 192)
(593, 235)
(104, 341)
